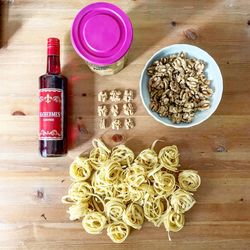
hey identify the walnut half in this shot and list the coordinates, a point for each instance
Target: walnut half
(103, 96)
(115, 95)
(114, 110)
(102, 110)
(128, 109)
(129, 123)
(102, 123)
(116, 124)
(128, 95)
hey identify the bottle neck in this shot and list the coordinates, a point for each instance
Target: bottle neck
(53, 64)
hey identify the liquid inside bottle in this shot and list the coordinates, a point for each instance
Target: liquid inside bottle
(53, 105)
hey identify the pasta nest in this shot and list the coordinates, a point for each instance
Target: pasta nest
(118, 231)
(114, 209)
(189, 180)
(181, 201)
(123, 155)
(80, 168)
(147, 158)
(117, 190)
(169, 157)
(164, 183)
(133, 216)
(94, 222)
(173, 221)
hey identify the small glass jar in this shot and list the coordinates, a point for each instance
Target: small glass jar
(102, 35)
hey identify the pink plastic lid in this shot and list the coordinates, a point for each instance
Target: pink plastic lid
(101, 33)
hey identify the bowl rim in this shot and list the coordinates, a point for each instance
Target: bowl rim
(188, 125)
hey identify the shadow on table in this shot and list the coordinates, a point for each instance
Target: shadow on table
(7, 27)
(152, 23)
(80, 98)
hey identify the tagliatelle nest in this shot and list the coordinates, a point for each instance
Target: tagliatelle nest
(178, 87)
(116, 190)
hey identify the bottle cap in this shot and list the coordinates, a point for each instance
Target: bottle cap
(53, 46)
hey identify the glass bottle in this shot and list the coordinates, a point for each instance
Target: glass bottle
(53, 105)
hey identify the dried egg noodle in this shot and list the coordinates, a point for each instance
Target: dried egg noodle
(79, 191)
(189, 180)
(117, 191)
(169, 158)
(76, 211)
(148, 158)
(173, 221)
(181, 201)
(133, 216)
(153, 209)
(136, 175)
(80, 169)
(123, 155)
(94, 222)
(114, 209)
(99, 154)
(164, 183)
(118, 231)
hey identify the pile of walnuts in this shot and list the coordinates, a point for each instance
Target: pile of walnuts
(178, 87)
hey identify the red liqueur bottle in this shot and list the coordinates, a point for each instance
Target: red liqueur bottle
(53, 105)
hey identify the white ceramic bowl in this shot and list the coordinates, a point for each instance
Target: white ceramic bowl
(212, 71)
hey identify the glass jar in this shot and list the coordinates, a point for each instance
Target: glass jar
(102, 35)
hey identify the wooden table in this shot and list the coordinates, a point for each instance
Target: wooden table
(31, 213)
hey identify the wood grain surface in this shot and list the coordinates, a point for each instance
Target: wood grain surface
(31, 214)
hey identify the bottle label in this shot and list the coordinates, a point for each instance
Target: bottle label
(51, 114)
